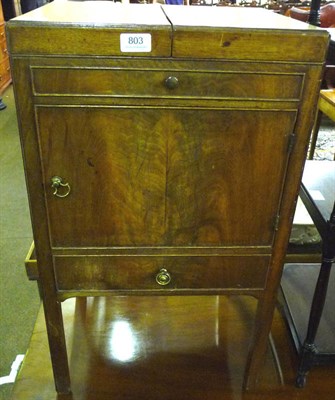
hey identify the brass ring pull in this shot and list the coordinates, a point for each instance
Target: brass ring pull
(171, 82)
(57, 183)
(163, 277)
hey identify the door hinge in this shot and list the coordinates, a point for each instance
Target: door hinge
(276, 224)
(291, 142)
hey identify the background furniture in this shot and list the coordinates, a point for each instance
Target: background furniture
(2, 105)
(326, 103)
(326, 106)
(149, 157)
(300, 281)
(5, 77)
(8, 9)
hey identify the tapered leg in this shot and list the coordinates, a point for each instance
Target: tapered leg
(57, 343)
(260, 343)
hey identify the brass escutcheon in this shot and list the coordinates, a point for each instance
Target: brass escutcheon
(163, 277)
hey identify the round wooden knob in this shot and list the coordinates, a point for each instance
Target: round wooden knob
(171, 82)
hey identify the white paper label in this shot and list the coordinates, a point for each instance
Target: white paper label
(135, 42)
(14, 370)
(316, 195)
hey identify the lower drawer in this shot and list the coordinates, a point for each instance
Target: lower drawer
(75, 273)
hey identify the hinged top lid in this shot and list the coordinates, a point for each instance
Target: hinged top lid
(244, 33)
(106, 29)
(90, 28)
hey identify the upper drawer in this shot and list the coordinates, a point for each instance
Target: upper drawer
(131, 273)
(67, 81)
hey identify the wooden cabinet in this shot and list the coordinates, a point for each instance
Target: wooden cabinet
(5, 77)
(167, 168)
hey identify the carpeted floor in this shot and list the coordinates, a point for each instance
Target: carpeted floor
(19, 299)
(325, 146)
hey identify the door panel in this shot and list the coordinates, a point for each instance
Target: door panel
(154, 176)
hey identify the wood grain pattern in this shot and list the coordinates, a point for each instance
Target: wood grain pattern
(154, 183)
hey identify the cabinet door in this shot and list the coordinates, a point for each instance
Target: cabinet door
(154, 176)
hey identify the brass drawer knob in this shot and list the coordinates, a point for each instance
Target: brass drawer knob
(61, 189)
(171, 82)
(163, 277)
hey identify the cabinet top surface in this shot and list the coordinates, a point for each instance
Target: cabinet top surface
(95, 28)
(96, 14)
(231, 17)
(116, 14)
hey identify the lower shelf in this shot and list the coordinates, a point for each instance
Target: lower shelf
(192, 347)
(298, 284)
